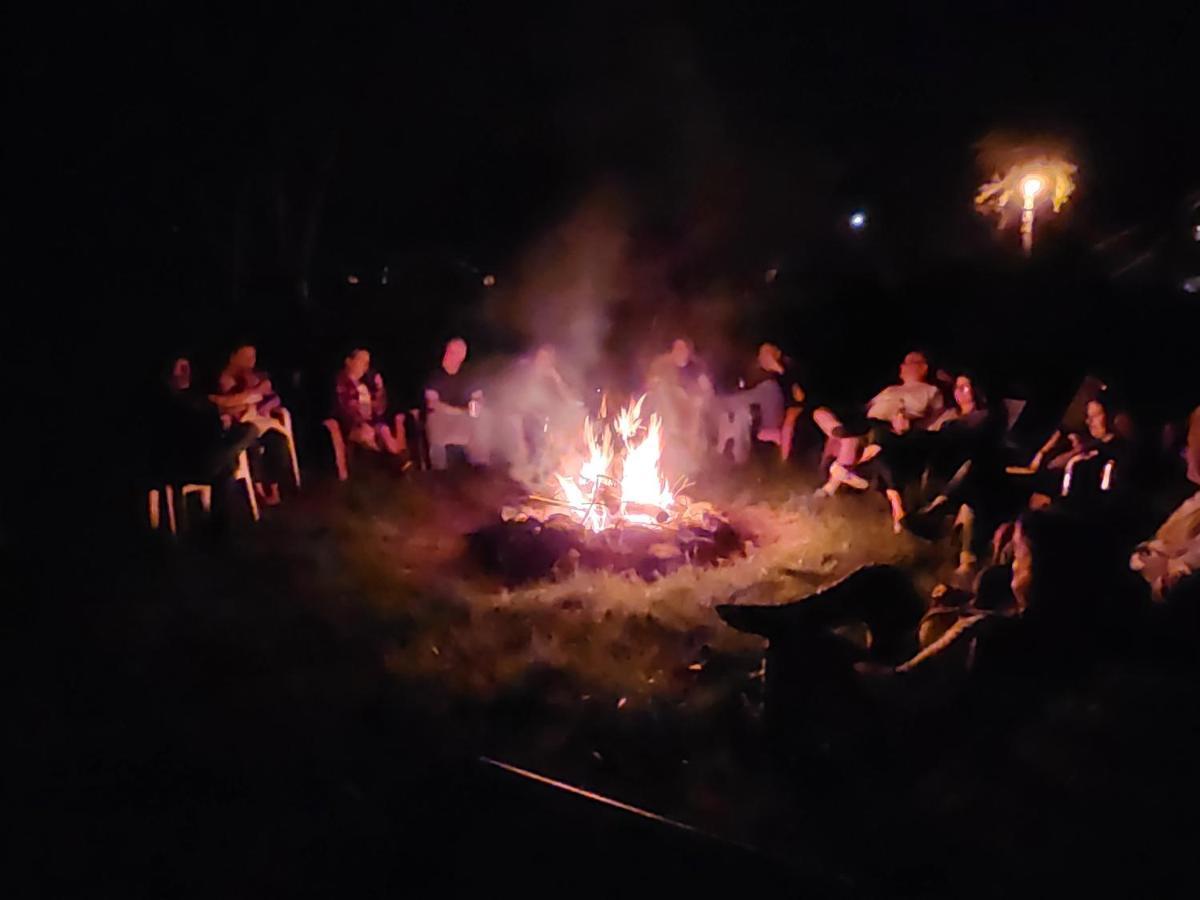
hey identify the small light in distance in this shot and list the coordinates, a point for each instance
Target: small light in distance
(771, 274)
(489, 280)
(1196, 232)
(858, 220)
(351, 279)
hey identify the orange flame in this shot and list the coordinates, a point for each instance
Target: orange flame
(640, 482)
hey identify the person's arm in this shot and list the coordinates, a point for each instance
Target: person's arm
(271, 401)
(1192, 451)
(379, 397)
(1050, 444)
(230, 402)
(561, 387)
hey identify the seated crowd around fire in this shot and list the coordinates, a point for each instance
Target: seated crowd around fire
(934, 445)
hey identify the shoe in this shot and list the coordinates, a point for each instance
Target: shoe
(847, 477)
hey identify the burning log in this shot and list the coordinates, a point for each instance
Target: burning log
(522, 550)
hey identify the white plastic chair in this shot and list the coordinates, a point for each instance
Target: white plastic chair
(341, 458)
(154, 497)
(285, 419)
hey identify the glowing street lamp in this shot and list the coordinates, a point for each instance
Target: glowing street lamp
(1041, 182)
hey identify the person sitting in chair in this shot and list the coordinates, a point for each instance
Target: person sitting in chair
(245, 395)
(1173, 554)
(1101, 460)
(452, 409)
(771, 386)
(361, 405)
(888, 458)
(192, 446)
(920, 401)
(967, 473)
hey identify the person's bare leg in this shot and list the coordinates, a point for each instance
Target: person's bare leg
(788, 431)
(897, 504)
(966, 559)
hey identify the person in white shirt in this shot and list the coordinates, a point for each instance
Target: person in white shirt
(920, 401)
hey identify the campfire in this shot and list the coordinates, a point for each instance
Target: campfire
(611, 488)
(613, 509)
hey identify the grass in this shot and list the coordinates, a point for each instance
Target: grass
(608, 634)
(346, 631)
(600, 678)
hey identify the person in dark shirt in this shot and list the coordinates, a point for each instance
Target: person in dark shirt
(774, 388)
(192, 446)
(967, 471)
(453, 405)
(1101, 462)
(245, 395)
(758, 408)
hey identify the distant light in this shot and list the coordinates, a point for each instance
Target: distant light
(1192, 285)
(771, 274)
(1196, 232)
(351, 279)
(858, 220)
(1031, 187)
(489, 280)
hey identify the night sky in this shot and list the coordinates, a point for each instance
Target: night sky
(162, 148)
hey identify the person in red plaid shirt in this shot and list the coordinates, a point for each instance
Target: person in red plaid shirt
(361, 405)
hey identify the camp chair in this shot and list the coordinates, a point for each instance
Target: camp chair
(154, 496)
(337, 440)
(285, 419)
(1106, 472)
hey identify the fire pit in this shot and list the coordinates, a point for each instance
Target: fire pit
(613, 510)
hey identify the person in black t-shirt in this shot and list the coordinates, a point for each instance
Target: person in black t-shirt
(191, 445)
(453, 402)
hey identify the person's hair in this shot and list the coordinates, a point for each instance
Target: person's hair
(241, 344)
(981, 400)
